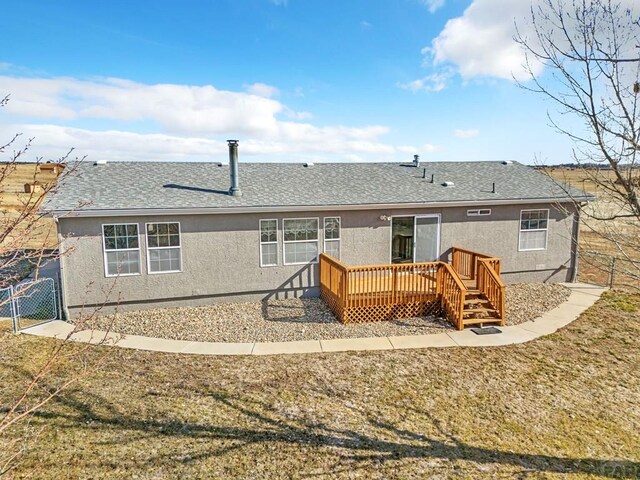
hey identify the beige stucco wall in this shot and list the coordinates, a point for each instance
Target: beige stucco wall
(221, 255)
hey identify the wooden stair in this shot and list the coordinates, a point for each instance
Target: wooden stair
(478, 310)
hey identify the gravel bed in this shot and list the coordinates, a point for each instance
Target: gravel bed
(527, 301)
(303, 319)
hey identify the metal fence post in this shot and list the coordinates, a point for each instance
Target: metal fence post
(612, 271)
(14, 310)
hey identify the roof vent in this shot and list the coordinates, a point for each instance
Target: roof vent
(448, 184)
(234, 189)
(307, 165)
(100, 162)
(416, 160)
(507, 162)
(218, 164)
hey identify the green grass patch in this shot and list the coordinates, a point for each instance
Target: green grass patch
(626, 302)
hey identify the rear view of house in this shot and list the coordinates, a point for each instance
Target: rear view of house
(175, 234)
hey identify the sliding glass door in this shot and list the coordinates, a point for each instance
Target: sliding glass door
(415, 238)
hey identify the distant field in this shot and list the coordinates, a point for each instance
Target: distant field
(13, 200)
(595, 266)
(579, 178)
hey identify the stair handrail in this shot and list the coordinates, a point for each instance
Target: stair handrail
(465, 261)
(452, 294)
(491, 285)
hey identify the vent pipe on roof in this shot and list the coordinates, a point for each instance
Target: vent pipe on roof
(234, 190)
(493, 188)
(416, 160)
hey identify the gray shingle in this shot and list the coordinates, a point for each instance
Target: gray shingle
(151, 185)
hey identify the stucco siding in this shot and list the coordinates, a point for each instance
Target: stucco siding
(221, 254)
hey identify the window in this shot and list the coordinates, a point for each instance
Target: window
(332, 236)
(268, 243)
(533, 230)
(163, 247)
(300, 240)
(121, 249)
(480, 212)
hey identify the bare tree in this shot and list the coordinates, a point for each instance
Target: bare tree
(28, 240)
(584, 56)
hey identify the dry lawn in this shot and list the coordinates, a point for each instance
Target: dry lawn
(13, 200)
(564, 406)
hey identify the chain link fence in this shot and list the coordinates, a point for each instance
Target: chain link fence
(29, 303)
(609, 270)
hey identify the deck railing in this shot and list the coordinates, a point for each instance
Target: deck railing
(333, 284)
(465, 262)
(452, 294)
(385, 292)
(490, 283)
(366, 293)
(485, 271)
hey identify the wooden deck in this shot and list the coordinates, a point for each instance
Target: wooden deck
(370, 293)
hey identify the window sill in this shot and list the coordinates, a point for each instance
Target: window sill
(301, 263)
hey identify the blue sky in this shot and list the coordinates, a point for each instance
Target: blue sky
(296, 80)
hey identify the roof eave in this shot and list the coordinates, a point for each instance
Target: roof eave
(127, 212)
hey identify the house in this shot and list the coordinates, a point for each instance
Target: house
(178, 234)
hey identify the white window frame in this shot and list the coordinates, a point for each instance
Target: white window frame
(286, 242)
(262, 264)
(148, 248)
(520, 230)
(479, 212)
(339, 239)
(104, 251)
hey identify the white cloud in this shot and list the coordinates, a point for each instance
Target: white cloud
(174, 108)
(434, 82)
(53, 141)
(187, 122)
(480, 42)
(429, 148)
(433, 5)
(297, 115)
(365, 25)
(470, 133)
(262, 90)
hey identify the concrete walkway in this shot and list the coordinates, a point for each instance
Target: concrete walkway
(582, 297)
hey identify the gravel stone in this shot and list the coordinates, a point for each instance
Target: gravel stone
(302, 319)
(527, 301)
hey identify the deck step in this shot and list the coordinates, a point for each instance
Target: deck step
(472, 301)
(479, 310)
(473, 294)
(476, 321)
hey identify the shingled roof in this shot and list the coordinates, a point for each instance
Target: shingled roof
(154, 186)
